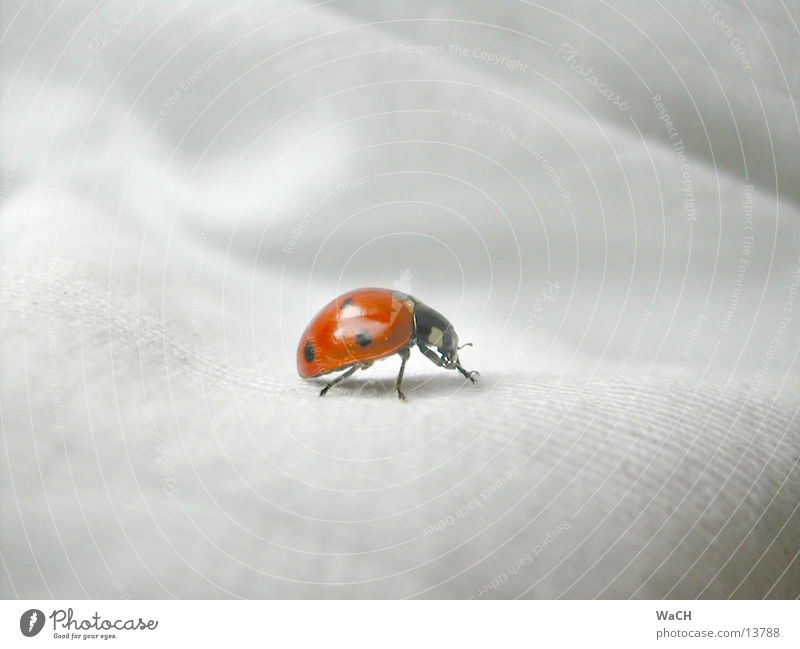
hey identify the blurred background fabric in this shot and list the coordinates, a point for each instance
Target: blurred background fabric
(602, 197)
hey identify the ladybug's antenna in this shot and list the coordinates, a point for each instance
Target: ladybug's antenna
(464, 345)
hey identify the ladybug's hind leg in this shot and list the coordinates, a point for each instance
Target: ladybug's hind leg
(337, 380)
(404, 354)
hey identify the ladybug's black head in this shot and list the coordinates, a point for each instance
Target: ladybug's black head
(434, 330)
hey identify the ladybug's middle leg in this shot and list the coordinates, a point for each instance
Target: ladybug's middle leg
(404, 354)
(337, 380)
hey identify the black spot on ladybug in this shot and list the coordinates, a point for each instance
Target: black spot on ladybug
(347, 303)
(308, 352)
(363, 339)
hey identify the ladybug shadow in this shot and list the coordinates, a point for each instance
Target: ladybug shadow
(430, 386)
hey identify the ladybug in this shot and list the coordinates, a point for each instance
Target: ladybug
(368, 324)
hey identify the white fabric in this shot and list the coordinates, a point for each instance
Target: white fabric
(184, 187)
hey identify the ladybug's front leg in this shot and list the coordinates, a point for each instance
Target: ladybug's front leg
(431, 355)
(436, 359)
(467, 373)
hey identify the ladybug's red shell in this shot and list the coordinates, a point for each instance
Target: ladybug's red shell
(357, 327)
